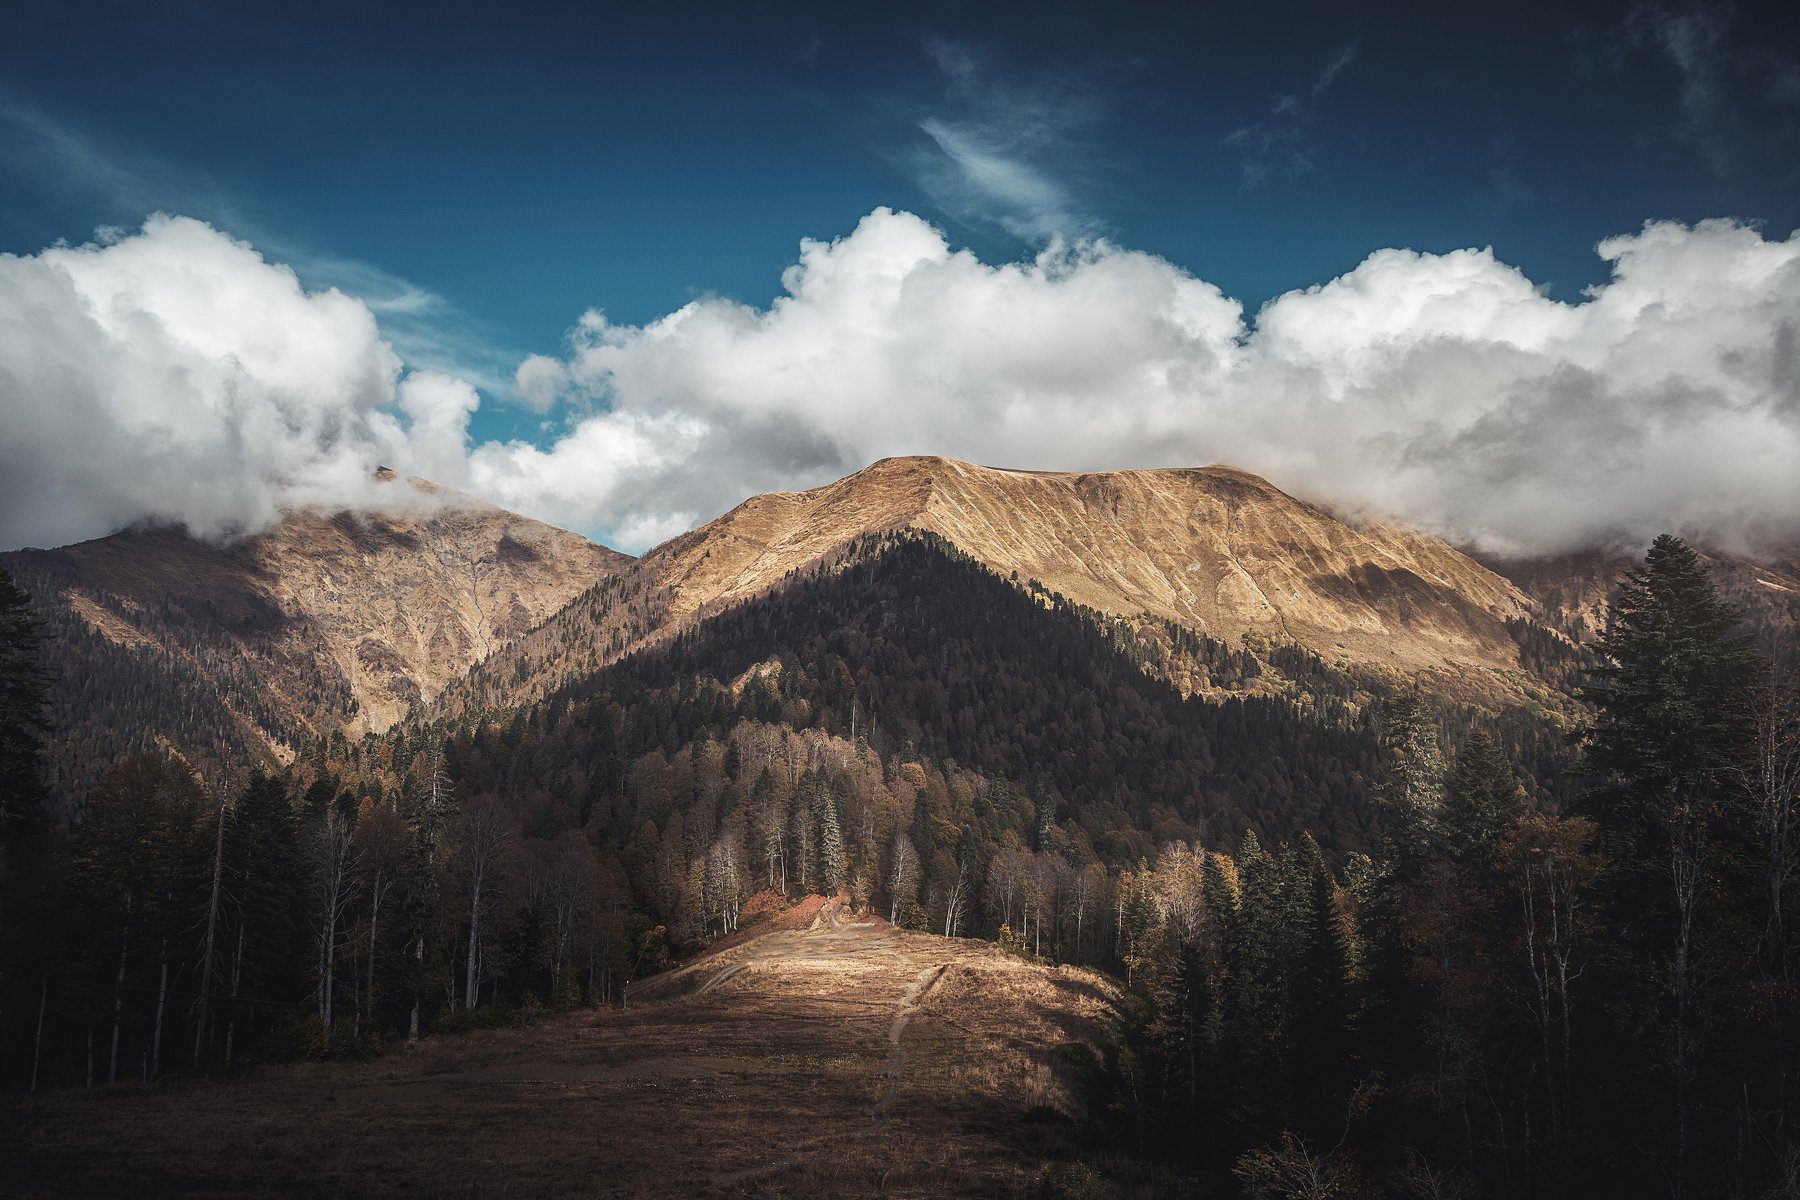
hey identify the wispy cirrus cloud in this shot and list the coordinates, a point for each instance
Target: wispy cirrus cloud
(76, 167)
(999, 150)
(1281, 144)
(1732, 96)
(1697, 45)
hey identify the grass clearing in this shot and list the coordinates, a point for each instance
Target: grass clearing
(844, 1059)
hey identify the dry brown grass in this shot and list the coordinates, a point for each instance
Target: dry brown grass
(846, 1060)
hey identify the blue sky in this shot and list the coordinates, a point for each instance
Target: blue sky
(526, 164)
(482, 175)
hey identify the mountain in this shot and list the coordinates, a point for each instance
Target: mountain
(1139, 721)
(346, 623)
(1214, 551)
(911, 648)
(1218, 550)
(1572, 591)
(325, 623)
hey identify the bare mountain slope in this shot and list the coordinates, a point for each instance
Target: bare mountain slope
(1573, 591)
(325, 622)
(1214, 549)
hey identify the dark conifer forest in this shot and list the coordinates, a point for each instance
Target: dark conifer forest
(1372, 942)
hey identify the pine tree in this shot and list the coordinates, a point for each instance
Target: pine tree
(264, 934)
(1482, 801)
(1670, 701)
(1671, 724)
(1322, 1006)
(1411, 788)
(831, 844)
(136, 861)
(24, 685)
(1256, 1007)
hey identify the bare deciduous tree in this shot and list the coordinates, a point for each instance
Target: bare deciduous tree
(483, 833)
(723, 884)
(903, 877)
(378, 848)
(1180, 891)
(1772, 784)
(956, 899)
(328, 870)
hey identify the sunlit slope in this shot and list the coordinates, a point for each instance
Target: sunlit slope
(325, 622)
(1215, 549)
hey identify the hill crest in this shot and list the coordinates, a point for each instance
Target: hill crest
(1215, 549)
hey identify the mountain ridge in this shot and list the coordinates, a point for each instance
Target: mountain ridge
(326, 623)
(346, 622)
(1216, 550)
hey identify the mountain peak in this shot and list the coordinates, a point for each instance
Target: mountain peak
(333, 619)
(1216, 549)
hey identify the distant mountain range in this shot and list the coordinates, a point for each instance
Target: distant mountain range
(445, 605)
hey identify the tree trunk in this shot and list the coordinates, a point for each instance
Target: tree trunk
(474, 941)
(162, 1002)
(203, 1005)
(37, 1044)
(1685, 870)
(237, 971)
(112, 1070)
(374, 920)
(328, 966)
(412, 1023)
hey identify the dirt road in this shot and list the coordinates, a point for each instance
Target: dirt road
(845, 1059)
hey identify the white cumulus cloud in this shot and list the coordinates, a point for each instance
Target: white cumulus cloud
(1445, 390)
(176, 374)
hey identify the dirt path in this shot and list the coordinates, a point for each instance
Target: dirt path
(843, 1059)
(831, 936)
(721, 977)
(909, 1004)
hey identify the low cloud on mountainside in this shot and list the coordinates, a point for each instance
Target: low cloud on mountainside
(174, 374)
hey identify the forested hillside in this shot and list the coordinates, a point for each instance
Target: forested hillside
(236, 654)
(1367, 935)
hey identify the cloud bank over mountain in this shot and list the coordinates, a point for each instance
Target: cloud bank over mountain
(174, 374)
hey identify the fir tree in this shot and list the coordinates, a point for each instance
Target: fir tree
(24, 685)
(1482, 801)
(264, 930)
(1411, 789)
(831, 844)
(1321, 1034)
(1670, 726)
